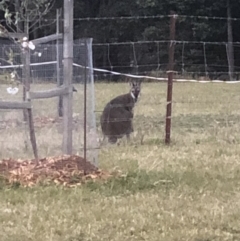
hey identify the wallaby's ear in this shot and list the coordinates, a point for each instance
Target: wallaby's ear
(135, 84)
(131, 84)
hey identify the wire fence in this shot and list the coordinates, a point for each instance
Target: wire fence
(196, 61)
(203, 62)
(145, 46)
(47, 122)
(192, 59)
(200, 112)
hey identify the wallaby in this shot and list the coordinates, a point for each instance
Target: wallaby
(116, 119)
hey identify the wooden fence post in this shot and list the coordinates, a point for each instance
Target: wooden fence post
(29, 110)
(170, 77)
(67, 73)
(59, 77)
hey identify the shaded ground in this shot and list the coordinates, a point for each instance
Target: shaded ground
(66, 170)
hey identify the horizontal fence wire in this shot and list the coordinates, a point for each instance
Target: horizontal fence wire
(155, 17)
(166, 41)
(155, 70)
(157, 78)
(21, 65)
(137, 18)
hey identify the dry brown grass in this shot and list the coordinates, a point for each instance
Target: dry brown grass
(186, 191)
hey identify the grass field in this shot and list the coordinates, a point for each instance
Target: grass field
(189, 190)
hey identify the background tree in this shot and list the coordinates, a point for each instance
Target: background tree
(26, 15)
(151, 29)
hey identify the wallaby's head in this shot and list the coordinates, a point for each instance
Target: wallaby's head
(135, 89)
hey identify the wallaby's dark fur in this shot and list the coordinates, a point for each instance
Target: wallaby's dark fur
(116, 119)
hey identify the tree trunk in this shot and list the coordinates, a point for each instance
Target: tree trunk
(19, 23)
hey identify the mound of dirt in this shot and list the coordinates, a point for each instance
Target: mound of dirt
(66, 170)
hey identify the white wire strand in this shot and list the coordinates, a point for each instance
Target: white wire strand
(21, 65)
(157, 78)
(127, 75)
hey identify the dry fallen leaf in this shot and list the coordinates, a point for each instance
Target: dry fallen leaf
(65, 170)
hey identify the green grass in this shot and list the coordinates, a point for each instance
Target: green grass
(188, 190)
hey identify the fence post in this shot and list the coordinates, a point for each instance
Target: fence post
(27, 81)
(170, 77)
(85, 106)
(59, 79)
(68, 74)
